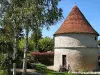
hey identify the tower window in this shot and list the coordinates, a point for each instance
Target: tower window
(95, 38)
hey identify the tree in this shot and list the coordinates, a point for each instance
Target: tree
(12, 25)
(46, 44)
(36, 36)
(5, 52)
(32, 14)
(4, 4)
(39, 13)
(10, 19)
(21, 44)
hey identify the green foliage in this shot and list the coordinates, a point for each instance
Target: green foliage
(3, 72)
(41, 68)
(66, 73)
(21, 44)
(34, 14)
(5, 63)
(2, 60)
(28, 15)
(1, 22)
(36, 36)
(99, 42)
(31, 44)
(46, 44)
(57, 73)
(4, 5)
(39, 57)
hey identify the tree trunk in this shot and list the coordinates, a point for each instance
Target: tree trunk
(25, 53)
(14, 68)
(14, 54)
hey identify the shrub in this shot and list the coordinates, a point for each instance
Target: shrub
(41, 68)
(39, 57)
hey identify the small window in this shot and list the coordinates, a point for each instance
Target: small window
(95, 38)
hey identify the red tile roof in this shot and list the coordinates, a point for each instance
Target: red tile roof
(76, 23)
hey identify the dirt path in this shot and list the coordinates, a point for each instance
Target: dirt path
(29, 72)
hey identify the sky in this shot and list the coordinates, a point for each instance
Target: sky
(90, 9)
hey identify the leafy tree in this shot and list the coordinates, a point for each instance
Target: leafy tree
(46, 44)
(5, 52)
(39, 13)
(4, 4)
(31, 14)
(10, 31)
(21, 44)
(12, 28)
(36, 35)
(31, 45)
(13, 32)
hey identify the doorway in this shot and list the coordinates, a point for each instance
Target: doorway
(63, 60)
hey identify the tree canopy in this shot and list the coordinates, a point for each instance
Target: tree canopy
(18, 15)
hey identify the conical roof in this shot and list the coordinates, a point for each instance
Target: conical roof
(76, 23)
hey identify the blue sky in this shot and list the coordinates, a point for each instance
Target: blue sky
(90, 9)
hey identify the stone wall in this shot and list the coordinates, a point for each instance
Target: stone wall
(75, 40)
(78, 59)
(81, 51)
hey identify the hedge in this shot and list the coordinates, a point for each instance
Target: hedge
(45, 58)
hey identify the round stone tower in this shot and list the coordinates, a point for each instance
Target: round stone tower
(76, 43)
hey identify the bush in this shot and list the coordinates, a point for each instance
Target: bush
(41, 68)
(39, 57)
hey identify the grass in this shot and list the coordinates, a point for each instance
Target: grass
(43, 69)
(3, 72)
(64, 73)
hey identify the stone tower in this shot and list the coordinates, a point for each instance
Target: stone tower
(76, 43)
